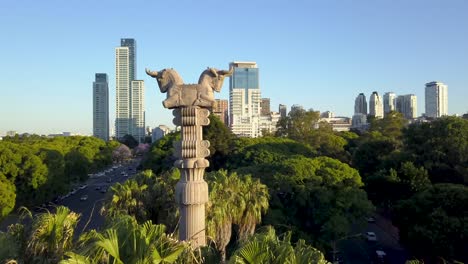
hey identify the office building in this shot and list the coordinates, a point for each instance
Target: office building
(389, 102)
(376, 105)
(129, 118)
(220, 109)
(360, 104)
(265, 107)
(436, 99)
(101, 106)
(244, 99)
(283, 110)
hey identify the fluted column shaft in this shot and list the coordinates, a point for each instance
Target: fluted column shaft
(192, 190)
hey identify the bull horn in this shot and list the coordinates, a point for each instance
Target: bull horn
(212, 70)
(153, 74)
(226, 73)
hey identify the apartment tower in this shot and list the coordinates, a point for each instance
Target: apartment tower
(130, 113)
(376, 105)
(436, 99)
(389, 102)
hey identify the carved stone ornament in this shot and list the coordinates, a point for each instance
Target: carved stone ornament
(182, 95)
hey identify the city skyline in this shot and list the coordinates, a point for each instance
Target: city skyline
(327, 58)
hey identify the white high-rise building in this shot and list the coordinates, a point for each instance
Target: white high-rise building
(389, 102)
(436, 99)
(360, 104)
(101, 106)
(410, 106)
(376, 105)
(130, 118)
(138, 110)
(244, 99)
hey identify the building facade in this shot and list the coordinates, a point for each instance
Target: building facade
(376, 105)
(389, 102)
(338, 124)
(137, 122)
(244, 99)
(360, 104)
(101, 106)
(129, 118)
(436, 99)
(407, 105)
(265, 107)
(220, 109)
(159, 132)
(283, 110)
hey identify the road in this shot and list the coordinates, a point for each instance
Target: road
(89, 209)
(359, 250)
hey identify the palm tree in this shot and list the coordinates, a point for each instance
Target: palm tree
(256, 197)
(126, 199)
(225, 207)
(266, 247)
(51, 235)
(127, 242)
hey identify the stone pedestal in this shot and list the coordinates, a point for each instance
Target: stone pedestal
(192, 190)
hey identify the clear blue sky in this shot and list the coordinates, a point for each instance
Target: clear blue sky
(319, 54)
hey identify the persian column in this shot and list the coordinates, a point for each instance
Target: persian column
(192, 190)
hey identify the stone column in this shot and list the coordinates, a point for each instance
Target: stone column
(192, 190)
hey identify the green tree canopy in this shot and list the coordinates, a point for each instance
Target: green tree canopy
(432, 223)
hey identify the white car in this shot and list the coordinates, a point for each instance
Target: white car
(84, 198)
(371, 236)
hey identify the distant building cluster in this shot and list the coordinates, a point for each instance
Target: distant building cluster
(436, 103)
(246, 113)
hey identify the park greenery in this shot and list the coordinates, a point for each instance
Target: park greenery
(282, 198)
(35, 169)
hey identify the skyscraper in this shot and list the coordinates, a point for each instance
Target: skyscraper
(131, 45)
(376, 105)
(244, 99)
(101, 106)
(360, 104)
(129, 117)
(389, 102)
(436, 99)
(265, 107)
(220, 109)
(283, 110)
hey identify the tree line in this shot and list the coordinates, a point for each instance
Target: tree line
(35, 169)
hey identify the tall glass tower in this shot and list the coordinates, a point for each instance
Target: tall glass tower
(244, 99)
(101, 106)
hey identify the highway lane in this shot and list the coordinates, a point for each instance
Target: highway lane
(90, 208)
